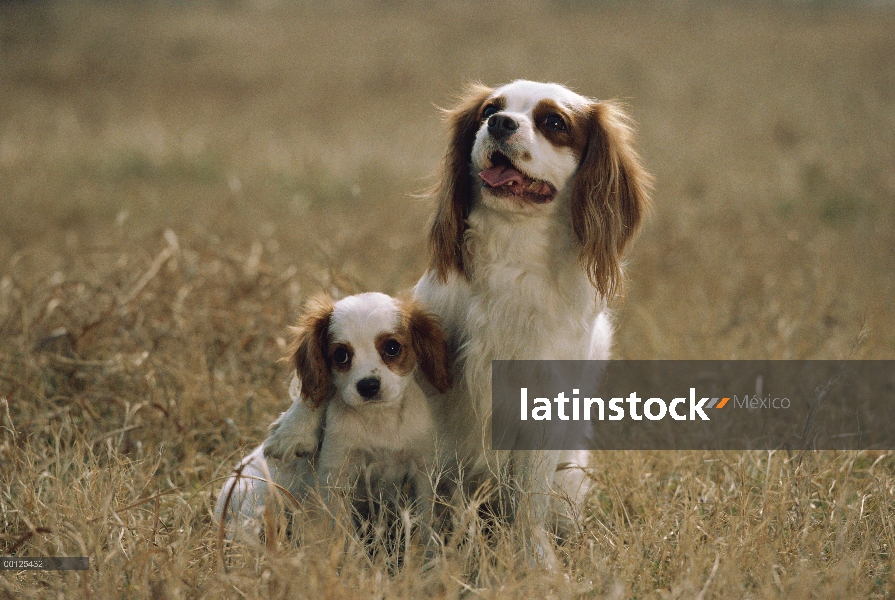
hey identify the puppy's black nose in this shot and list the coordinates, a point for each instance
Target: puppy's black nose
(368, 387)
(502, 126)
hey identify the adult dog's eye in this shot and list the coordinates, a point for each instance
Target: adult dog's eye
(341, 356)
(489, 110)
(392, 348)
(555, 123)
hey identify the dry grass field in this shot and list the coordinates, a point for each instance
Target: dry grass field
(175, 179)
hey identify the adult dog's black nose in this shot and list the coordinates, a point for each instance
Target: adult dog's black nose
(502, 126)
(368, 387)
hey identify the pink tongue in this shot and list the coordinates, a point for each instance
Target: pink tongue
(514, 181)
(500, 175)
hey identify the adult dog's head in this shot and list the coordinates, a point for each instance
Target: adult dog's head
(540, 150)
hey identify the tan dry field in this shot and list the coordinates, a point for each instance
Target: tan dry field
(177, 177)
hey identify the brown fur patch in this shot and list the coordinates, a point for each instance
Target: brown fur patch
(577, 126)
(453, 195)
(309, 349)
(610, 194)
(498, 102)
(429, 344)
(403, 363)
(345, 367)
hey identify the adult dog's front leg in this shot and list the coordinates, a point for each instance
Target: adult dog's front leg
(536, 508)
(296, 432)
(424, 514)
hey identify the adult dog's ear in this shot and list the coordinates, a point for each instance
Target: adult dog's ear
(430, 346)
(308, 350)
(609, 197)
(453, 194)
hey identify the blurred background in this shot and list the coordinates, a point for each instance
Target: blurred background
(176, 177)
(307, 128)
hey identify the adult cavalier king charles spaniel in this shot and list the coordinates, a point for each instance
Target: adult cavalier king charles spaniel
(541, 194)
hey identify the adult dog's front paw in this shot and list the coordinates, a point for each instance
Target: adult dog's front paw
(295, 434)
(286, 445)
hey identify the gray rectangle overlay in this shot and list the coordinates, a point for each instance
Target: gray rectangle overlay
(44, 563)
(693, 405)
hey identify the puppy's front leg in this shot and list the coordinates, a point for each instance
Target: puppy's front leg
(297, 431)
(339, 474)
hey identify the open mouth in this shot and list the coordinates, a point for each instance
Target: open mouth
(502, 178)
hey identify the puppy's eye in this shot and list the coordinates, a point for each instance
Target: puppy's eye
(555, 122)
(392, 348)
(489, 110)
(341, 356)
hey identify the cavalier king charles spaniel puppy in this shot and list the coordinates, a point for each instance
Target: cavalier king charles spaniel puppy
(541, 194)
(360, 421)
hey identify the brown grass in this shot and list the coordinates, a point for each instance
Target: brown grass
(177, 178)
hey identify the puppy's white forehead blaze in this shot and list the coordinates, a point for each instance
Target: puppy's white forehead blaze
(358, 319)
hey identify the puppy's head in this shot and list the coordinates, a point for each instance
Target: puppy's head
(364, 349)
(528, 147)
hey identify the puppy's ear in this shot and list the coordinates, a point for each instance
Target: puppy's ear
(453, 194)
(609, 197)
(308, 350)
(430, 346)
